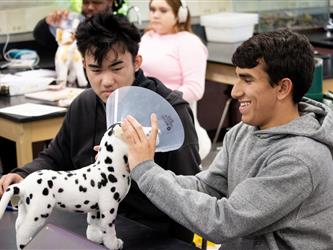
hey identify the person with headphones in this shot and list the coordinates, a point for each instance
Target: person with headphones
(43, 33)
(175, 55)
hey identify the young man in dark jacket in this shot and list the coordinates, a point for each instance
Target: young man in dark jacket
(109, 45)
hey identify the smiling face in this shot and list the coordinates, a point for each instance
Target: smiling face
(116, 70)
(259, 101)
(92, 7)
(162, 18)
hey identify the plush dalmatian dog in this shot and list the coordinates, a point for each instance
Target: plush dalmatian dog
(96, 189)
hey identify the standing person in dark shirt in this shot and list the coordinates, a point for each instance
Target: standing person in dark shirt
(109, 45)
(44, 36)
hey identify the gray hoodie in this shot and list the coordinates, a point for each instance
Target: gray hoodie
(266, 189)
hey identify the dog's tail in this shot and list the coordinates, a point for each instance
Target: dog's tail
(6, 197)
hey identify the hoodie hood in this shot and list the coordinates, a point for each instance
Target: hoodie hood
(315, 122)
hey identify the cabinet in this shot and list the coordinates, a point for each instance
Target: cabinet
(219, 81)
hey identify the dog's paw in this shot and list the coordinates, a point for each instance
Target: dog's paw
(114, 244)
(94, 234)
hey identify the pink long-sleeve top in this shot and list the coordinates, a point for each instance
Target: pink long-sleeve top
(178, 60)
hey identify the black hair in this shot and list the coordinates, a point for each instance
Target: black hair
(285, 54)
(117, 5)
(104, 31)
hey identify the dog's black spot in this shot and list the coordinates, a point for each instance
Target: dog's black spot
(113, 189)
(88, 170)
(125, 159)
(108, 147)
(30, 196)
(78, 206)
(63, 205)
(54, 177)
(22, 246)
(60, 190)
(50, 183)
(40, 174)
(111, 169)
(82, 189)
(124, 176)
(78, 211)
(16, 190)
(116, 196)
(36, 219)
(92, 183)
(45, 191)
(66, 178)
(49, 206)
(8, 189)
(84, 176)
(27, 200)
(85, 202)
(94, 206)
(98, 215)
(108, 160)
(103, 216)
(69, 175)
(112, 178)
(44, 215)
(112, 211)
(76, 181)
(93, 217)
(104, 180)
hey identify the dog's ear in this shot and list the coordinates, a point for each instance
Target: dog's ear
(59, 35)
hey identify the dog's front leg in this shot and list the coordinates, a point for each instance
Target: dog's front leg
(108, 218)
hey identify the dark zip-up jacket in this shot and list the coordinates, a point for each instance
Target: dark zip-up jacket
(84, 126)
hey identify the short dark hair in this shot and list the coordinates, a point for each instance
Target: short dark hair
(285, 54)
(104, 31)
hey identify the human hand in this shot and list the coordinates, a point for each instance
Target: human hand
(8, 179)
(96, 148)
(55, 17)
(140, 147)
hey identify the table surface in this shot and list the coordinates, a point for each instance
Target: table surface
(134, 235)
(7, 101)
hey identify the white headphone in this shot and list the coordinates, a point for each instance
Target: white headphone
(182, 12)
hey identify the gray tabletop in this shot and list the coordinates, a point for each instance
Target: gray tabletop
(135, 235)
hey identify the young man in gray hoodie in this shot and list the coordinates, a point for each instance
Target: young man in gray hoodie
(271, 185)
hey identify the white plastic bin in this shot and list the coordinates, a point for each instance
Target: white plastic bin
(229, 27)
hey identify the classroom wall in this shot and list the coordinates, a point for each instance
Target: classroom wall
(19, 16)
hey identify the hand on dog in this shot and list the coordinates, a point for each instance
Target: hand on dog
(8, 179)
(140, 147)
(96, 148)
